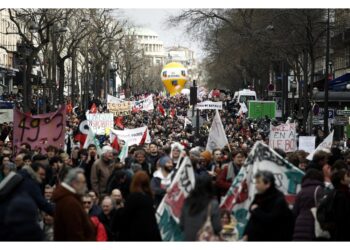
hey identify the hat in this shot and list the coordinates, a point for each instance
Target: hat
(106, 149)
(206, 155)
(163, 160)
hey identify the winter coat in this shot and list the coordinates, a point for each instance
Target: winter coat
(101, 234)
(190, 225)
(107, 223)
(341, 210)
(87, 166)
(159, 185)
(100, 172)
(31, 184)
(138, 220)
(71, 221)
(272, 220)
(223, 182)
(119, 179)
(21, 220)
(304, 228)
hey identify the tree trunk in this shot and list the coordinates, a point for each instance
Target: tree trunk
(61, 82)
(305, 89)
(73, 80)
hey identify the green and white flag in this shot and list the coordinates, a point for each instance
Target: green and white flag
(124, 153)
(169, 210)
(91, 139)
(242, 191)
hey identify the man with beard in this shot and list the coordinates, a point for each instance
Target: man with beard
(71, 221)
(162, 179)
(101, 170)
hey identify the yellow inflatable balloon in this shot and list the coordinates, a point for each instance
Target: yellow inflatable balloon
(174, 77)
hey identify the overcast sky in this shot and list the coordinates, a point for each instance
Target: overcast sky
(155, 19)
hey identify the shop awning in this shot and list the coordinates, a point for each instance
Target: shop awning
(340, 82)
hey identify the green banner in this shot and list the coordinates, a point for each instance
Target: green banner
(260, 109)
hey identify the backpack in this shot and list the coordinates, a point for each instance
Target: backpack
(325, 213)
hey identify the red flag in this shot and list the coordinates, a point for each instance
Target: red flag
(118, 121)
(143, 139)
(93, 109)
(80, 137)
(173, 112)
(161, 109)
(115, 144)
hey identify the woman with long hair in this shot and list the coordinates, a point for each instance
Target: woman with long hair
(137, 220)
(200, 203)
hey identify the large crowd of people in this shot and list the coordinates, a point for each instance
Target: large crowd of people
(76, 194)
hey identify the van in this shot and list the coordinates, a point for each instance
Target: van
(245, 95)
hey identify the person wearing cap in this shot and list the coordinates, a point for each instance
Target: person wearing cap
(101, 171)
(162, 179)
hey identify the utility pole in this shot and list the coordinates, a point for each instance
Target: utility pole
(325, 118)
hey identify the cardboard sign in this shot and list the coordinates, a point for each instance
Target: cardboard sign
(283, 137)
(307, 143)
(99, 122)
(40, 131)
(120, 109)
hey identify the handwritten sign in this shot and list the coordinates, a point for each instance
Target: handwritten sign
(307, 143)
(145, 104)
(283, 137)
(120, 109)
(39, 131)
(99, 122)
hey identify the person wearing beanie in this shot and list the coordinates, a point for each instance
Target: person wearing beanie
(204, 163)
(162, 179)
(101, 171)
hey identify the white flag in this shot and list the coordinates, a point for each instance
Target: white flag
(243, 109)
(124, 153)
(325, 145)
(91, 139)
(217, 137)
(187, 122)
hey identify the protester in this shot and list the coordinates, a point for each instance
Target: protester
(267, 211)
(162, 179)
(101, 170)
(117, 198)
(106, 217)
(229, 230)
(138, 221)
(71, 221)
(197, 206)
(312, 191)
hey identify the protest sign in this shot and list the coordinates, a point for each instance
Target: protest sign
(39, 131)
(132, 136)
(6, 115)
(121, 108)
(99, 122)
(283, 137)
(209, 105)
(242, 191)
(325, 145)
(144, 104)
(307, 143)
(169, 211)
(113, 99)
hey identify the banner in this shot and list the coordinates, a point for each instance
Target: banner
(144, 104)
(132, 136)
(40, 131)
(325, 145)
(261, 109)
(6, 115)
(91, 139)
(283, 137)
(113, 99)
(242, 191)
(209, 105)
(169, 211)
(217, 136)
(121, 108)
(307, 143)
(99, 122)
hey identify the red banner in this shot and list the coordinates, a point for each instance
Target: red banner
(40, 131)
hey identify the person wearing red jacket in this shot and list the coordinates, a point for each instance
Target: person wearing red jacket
(230, 171)
(101, 234)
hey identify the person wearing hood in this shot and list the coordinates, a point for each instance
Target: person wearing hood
(101, 171)
(162, 179)
(72, 223)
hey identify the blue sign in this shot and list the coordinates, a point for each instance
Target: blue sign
(6, 105)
